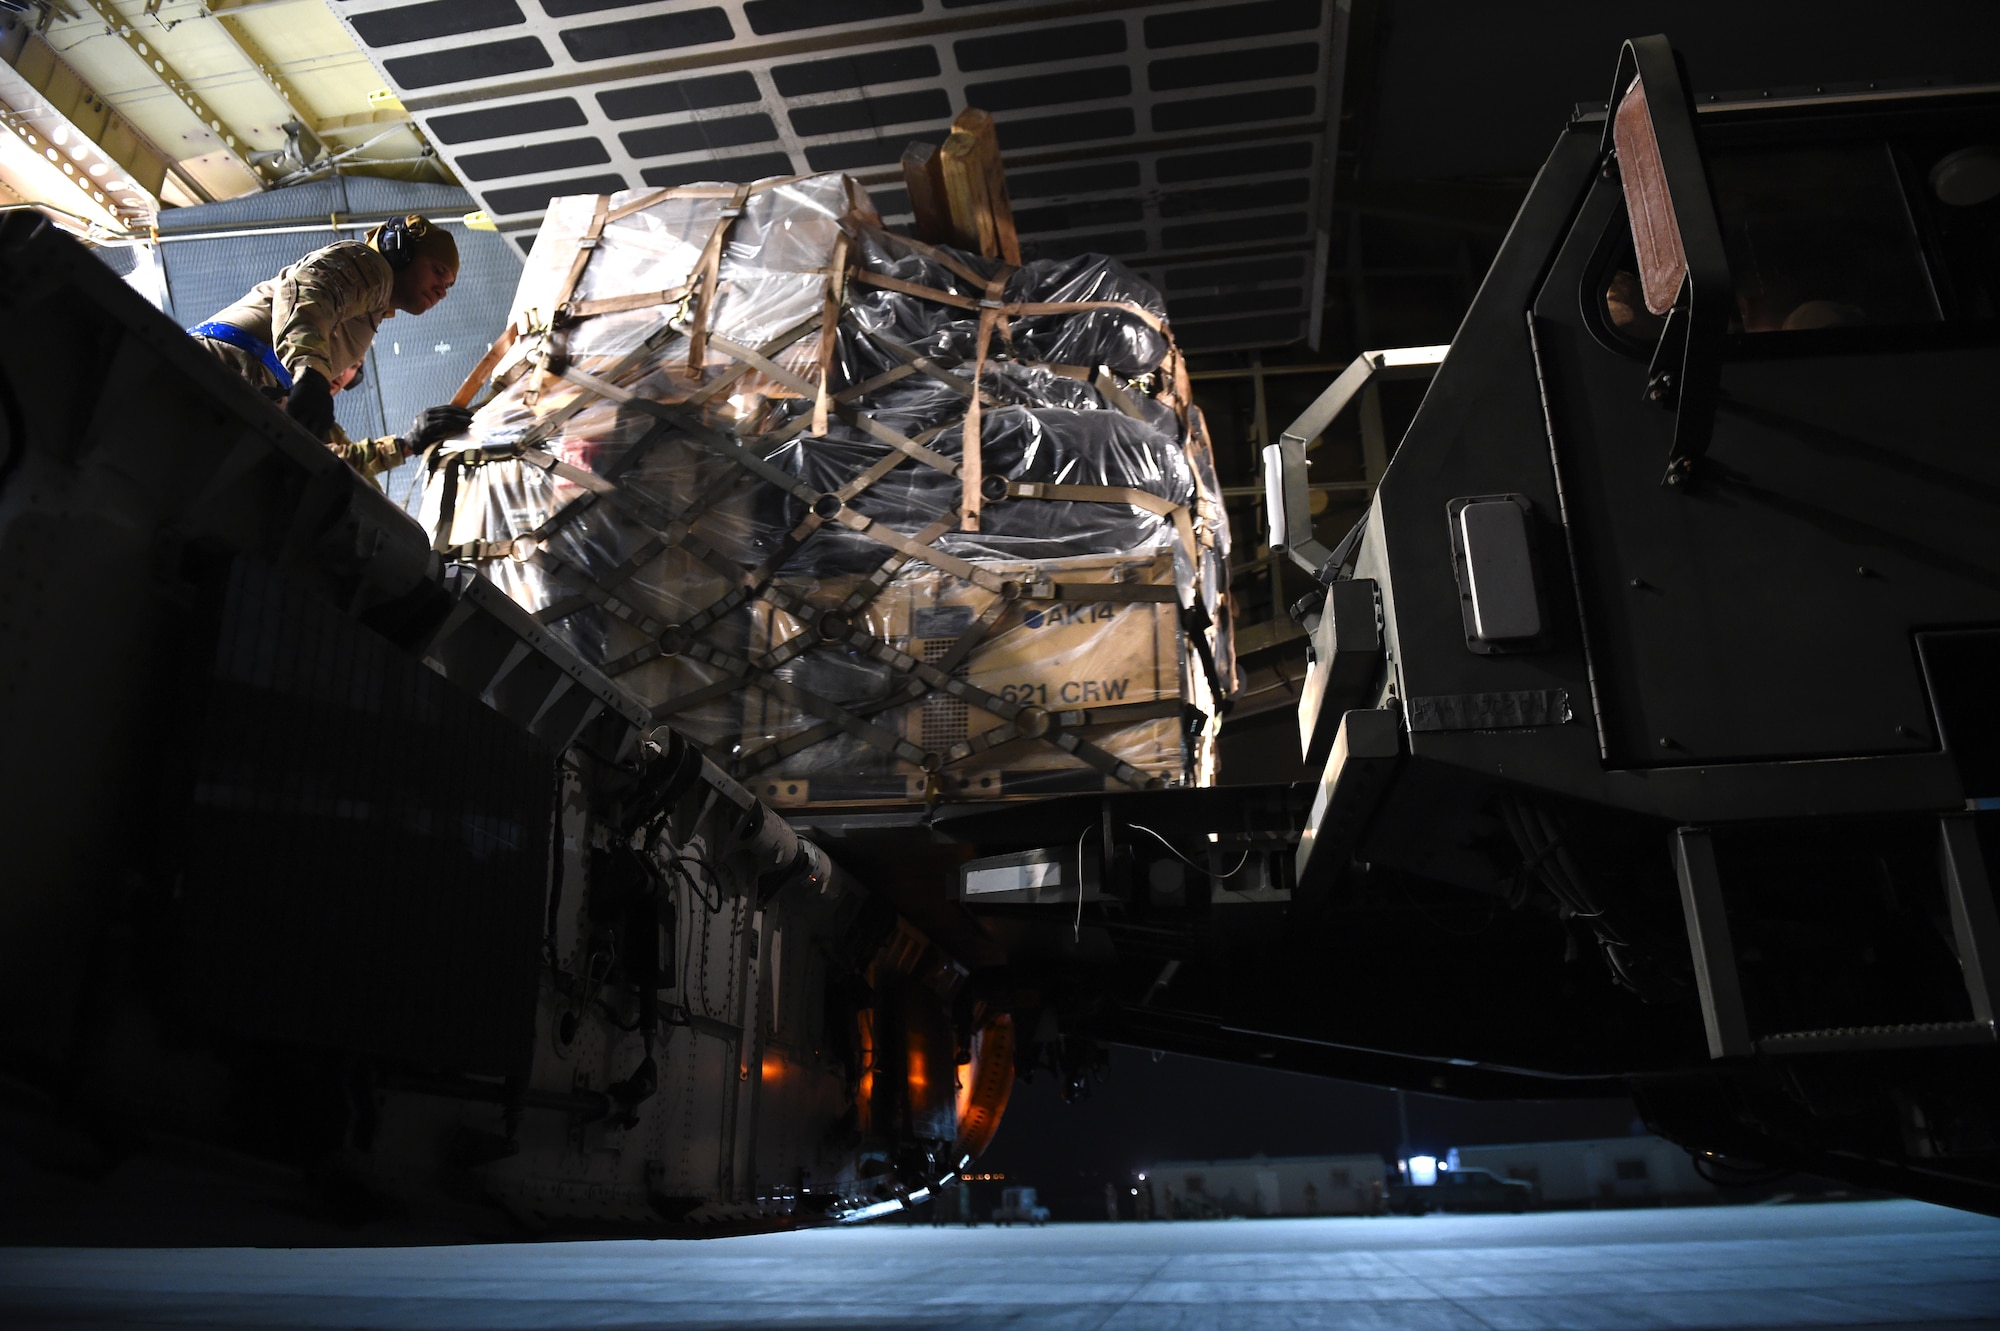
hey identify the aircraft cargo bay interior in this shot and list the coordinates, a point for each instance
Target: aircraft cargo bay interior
(976, 662)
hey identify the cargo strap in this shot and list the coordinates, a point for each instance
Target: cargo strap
(725, 446)
(854, 603)
(882, 434)
(1010, 309)
(603, 384)
(757, 360)
(1116, 396)
(1127, 593)
(551, 425)
(1115, 494)
(585, 247)
(728, 379)
(831, 626)
(551, 342)
(572, 311)
(884, 534)
(641, 204)
(993, 314)
(707, 271)
(1096, 494)
(944, 258)
(749, 764)
(886, 571)
(777, 751)
(866, 731)
(483, 371)
(972, 470)
(913, 362)
(558, 567)
(752, 581)
(1021, 718)
(829, 331)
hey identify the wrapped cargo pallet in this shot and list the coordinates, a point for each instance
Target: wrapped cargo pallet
(871, 520)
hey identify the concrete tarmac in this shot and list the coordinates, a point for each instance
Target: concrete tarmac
(1860, 1264)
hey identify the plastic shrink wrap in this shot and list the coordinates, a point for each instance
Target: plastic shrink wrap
(871, 520)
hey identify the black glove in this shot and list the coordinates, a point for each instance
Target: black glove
(310, 403)
(435, 423)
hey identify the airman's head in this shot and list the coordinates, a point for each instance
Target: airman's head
(424, 256)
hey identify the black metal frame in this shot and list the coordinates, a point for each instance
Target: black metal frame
(1686, 371)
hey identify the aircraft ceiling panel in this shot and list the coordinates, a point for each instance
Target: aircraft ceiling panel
(1186, 138)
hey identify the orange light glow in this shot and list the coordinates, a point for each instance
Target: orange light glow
(962, 1102)
(773, 1067)
(919, 1081)
(865, 1108)
(984, 1084)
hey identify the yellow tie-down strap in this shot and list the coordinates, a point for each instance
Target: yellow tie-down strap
(1009, 309)
(1114, 494)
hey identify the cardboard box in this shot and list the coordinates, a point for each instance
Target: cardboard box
(1083, 665)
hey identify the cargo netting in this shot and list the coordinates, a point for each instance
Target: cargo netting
(870, 520)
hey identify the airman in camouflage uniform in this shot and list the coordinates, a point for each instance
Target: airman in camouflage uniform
(294, 335)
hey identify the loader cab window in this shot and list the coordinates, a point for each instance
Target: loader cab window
(1820, 237)
(1861, 234)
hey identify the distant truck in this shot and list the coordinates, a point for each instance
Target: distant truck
(1462, 1190)
(1018, 1206)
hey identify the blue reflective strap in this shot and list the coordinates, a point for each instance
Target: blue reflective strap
(242, 341)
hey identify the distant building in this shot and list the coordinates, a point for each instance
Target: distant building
(1287, 1185)
(1607, 1171)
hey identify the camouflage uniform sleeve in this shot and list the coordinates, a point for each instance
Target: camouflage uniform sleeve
(339, 283)
(370, 457)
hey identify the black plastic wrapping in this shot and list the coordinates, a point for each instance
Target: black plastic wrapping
(695, 552)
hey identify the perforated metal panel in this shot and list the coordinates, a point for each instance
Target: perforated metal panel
(1185, 138)
(945, 718)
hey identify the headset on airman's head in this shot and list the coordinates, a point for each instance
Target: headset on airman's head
(396, 239)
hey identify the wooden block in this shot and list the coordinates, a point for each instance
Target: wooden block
(923, 176)
(965, 193)
(999, 210)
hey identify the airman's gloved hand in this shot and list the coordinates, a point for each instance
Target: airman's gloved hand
(435, 423)
(310, 403)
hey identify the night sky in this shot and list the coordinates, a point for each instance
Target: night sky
(1145, 1111)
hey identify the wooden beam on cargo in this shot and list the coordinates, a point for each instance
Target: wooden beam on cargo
(964, 193)
(975, 188)
(999, 212)
(923, 176)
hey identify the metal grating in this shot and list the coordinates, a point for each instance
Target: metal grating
(1186, 138)
(946, 719)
